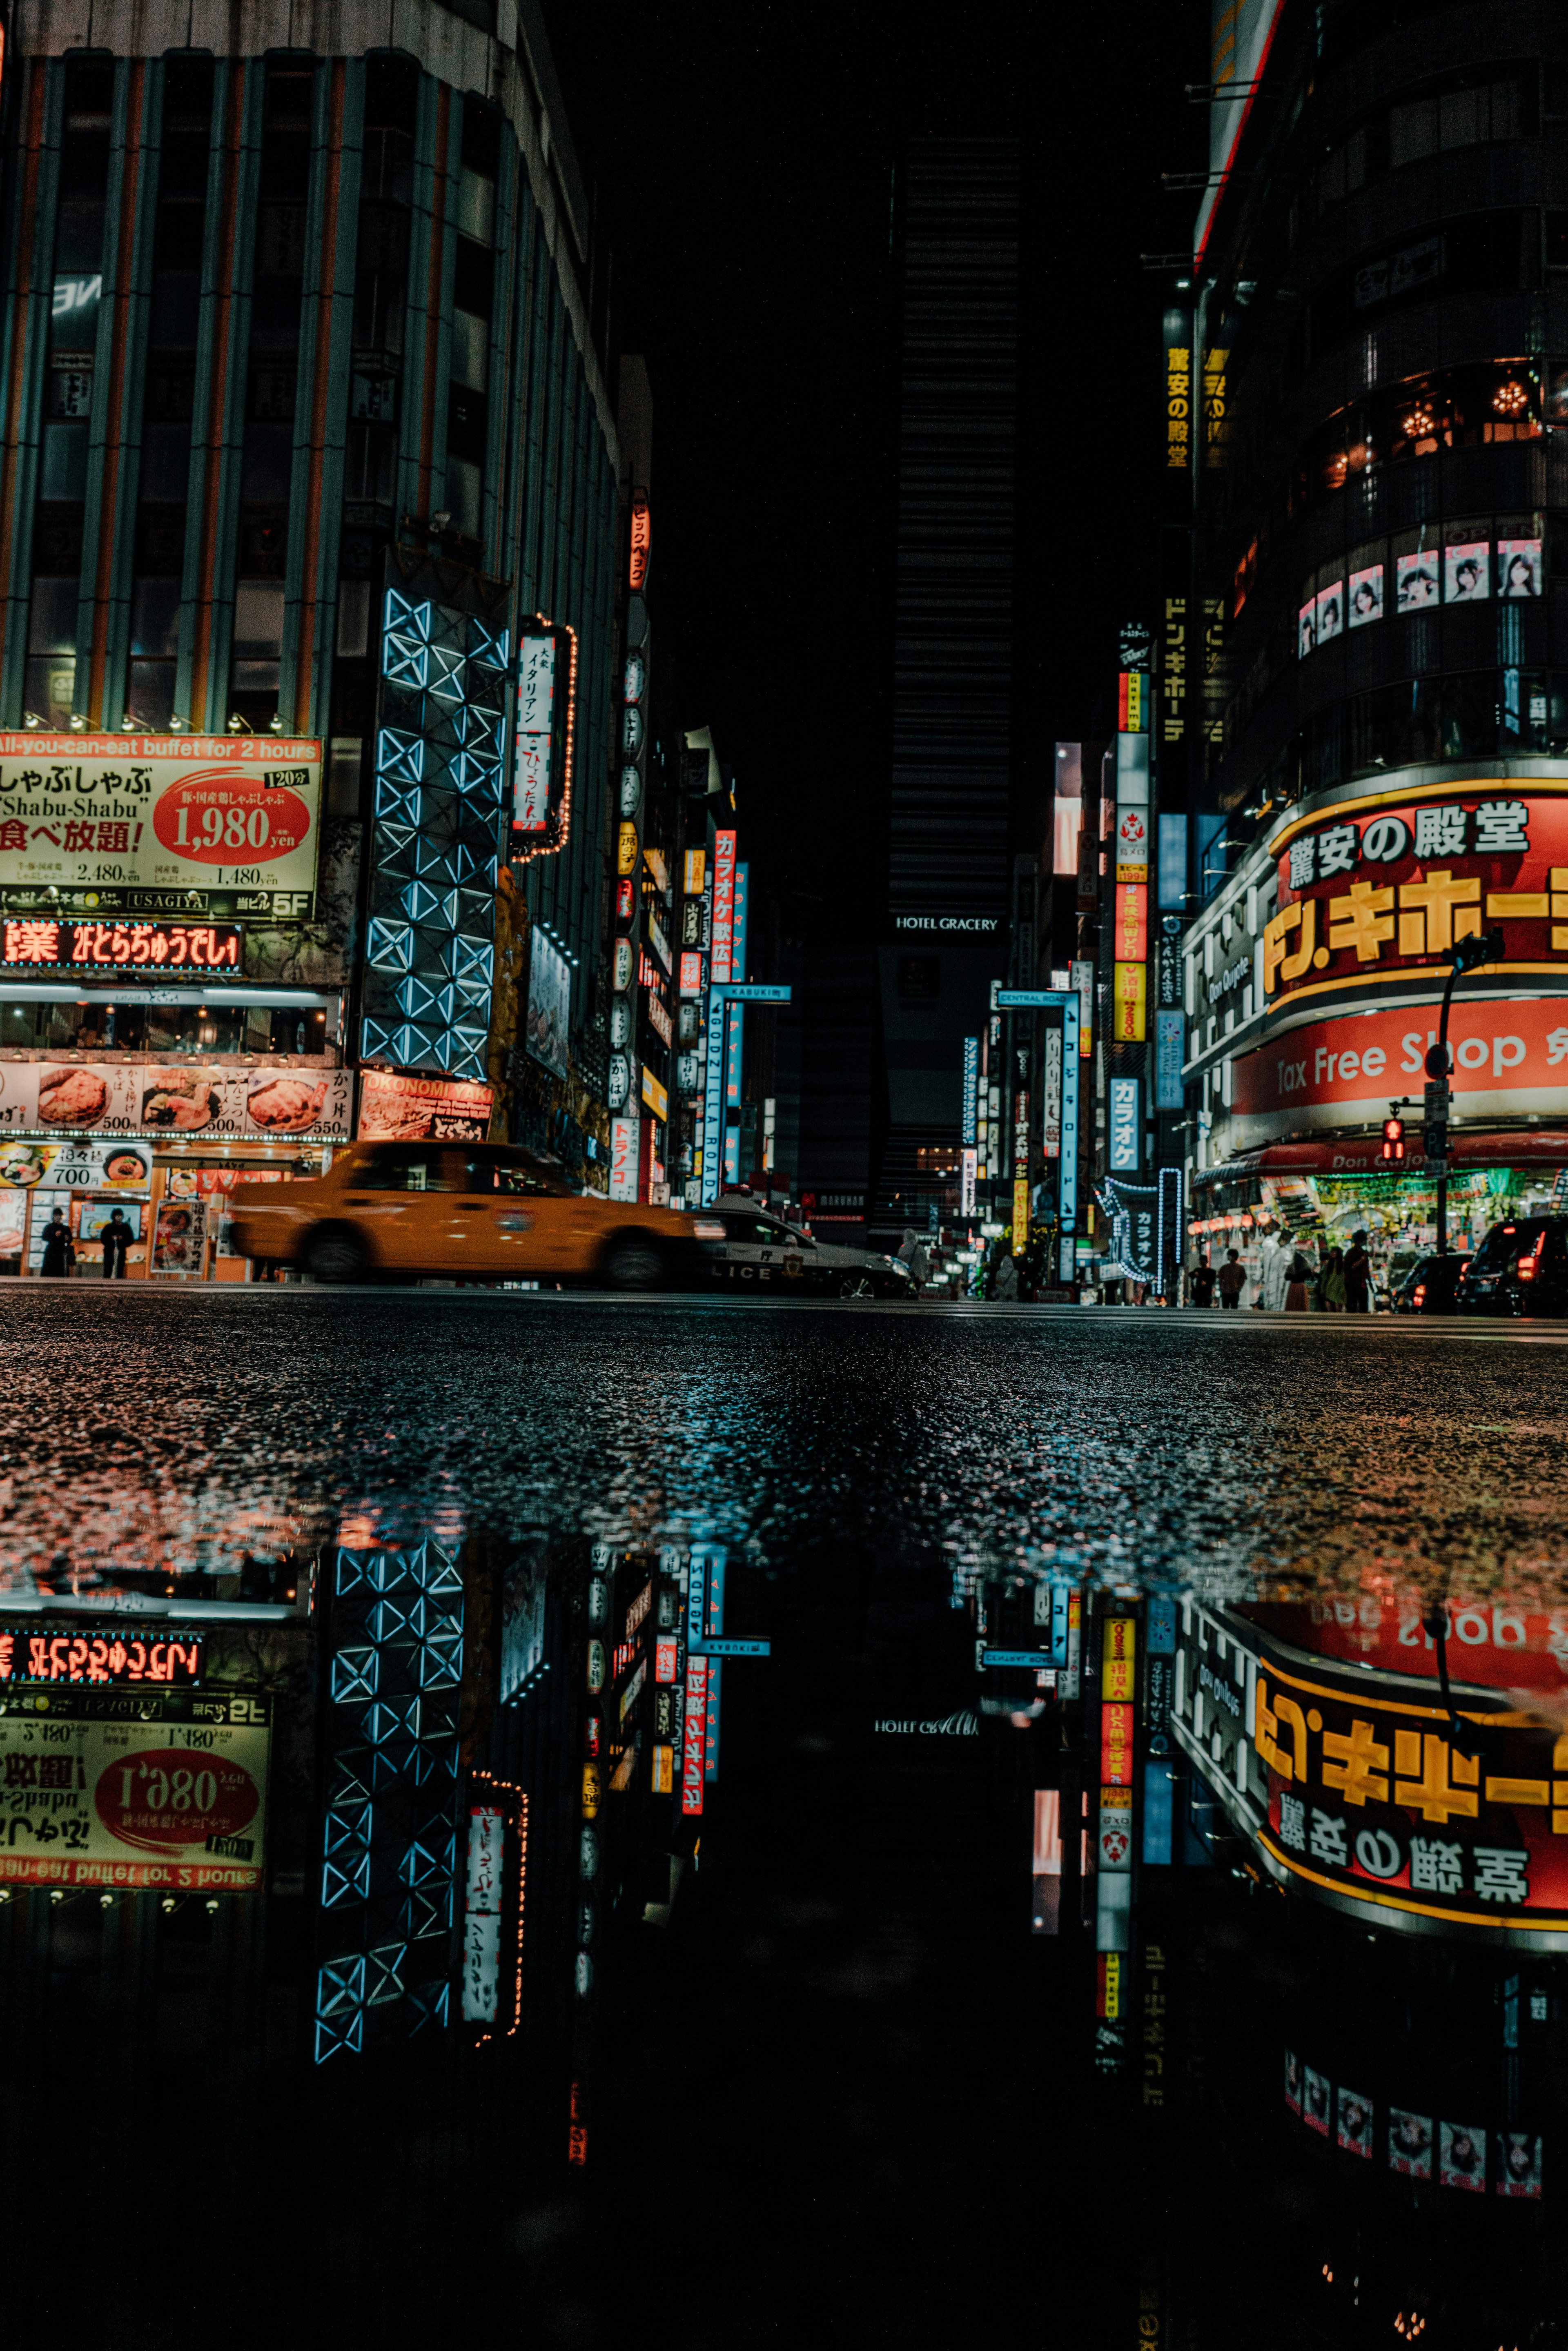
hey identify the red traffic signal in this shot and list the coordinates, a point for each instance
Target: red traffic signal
(1394, 1138)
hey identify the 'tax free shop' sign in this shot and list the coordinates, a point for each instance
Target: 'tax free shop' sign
(1514, 1052)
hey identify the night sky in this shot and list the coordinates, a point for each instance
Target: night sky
(741, 163)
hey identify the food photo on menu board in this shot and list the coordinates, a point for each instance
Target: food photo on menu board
(137, 1098)
(395, 1109)
(94, 1165)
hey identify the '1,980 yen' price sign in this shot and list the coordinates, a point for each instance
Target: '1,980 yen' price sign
(95, 1793)
(232, 818)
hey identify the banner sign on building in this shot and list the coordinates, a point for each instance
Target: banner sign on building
(971, 1114)
(137, 1098)
(482, 1918)
(1389, 886)
(35, 943)
(547, 666)
(624, 1146)
(1168, 1033)
(1050, 1107)
(1372, 1798)
(116, 825)
(1124, 1135)
(400, 1108)
(548, 1032)
(165, 1792)
(722, 959)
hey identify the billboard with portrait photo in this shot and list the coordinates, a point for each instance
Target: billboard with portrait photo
(1409, 2143)
(1354, 2116)
(1415, 581)
(1306, 627)
(1462, 2158)
(1466, 572)
(549, 1003)
(1518, 567)
(1519, 2165)
(1365, 597)
(1331, 611)
(1317, 2100)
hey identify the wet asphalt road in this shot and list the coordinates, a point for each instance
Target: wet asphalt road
(845, 2098)
(187, 1427)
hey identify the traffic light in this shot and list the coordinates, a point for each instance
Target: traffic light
(1394, 1138)
(1485, 947)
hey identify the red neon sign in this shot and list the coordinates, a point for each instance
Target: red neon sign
(105, 1658)
(159, 946)
(641, 542)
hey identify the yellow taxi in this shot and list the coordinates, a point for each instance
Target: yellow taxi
(484, 1211)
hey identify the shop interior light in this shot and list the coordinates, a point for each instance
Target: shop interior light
(1511, 399)
(1418, 421)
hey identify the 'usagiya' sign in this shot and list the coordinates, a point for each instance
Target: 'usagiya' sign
(1389, 886)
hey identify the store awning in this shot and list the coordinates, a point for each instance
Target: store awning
(1534, 1147)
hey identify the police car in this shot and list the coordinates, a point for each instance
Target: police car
(750, 1247)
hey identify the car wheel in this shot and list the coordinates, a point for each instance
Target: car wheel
(336, 1254)
(857, 1285)
(635, 1261)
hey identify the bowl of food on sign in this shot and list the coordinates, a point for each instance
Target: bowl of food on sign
(180, 1183)
(20, 1170)
(72, 1097)
(173, 1236)
(283, 1104)
(125, 1167)
(185, 1100)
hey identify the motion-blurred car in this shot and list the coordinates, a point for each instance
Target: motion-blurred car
(482, 1211)
(1520, 1268)
(1428, 1288)
(750, 1247)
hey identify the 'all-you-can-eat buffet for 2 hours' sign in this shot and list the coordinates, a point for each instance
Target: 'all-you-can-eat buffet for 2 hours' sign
(159, 824)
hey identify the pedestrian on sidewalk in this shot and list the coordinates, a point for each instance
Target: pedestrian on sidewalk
(1276, 1262)
(1334, 1285)
(116, 1239)
(58, 1254)
(1357, 1276)
(1298, 1273)
(1232, 1279)
(1202, 1283)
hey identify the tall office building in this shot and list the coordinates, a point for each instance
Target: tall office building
(1378, 338)
(303, 428)
(956, 645)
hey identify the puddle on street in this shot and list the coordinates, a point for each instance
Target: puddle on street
(924, 1821)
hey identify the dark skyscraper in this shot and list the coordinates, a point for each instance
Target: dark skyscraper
(954, 647)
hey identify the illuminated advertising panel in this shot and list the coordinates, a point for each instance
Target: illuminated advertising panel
(33, 943)
(116, 825)
(135, 1098)
(1363, 1789)
(482, 1918)
(1509, 1057)
(129, 1791)
(396, 1108)
(1241, 33)
(626, 1144)
(546, 722)
(549, 1028)
(1129, 1002)
(722, 908)
(1383, 888)
(41, 1655)
(1132, 921)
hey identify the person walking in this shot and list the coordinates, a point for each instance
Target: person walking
(1358, 1277)
(1005, 1279)
(1276, 1259)
(58, 1255)
(1232, 1279)
(116, 1239)
(1298, 1273)
(1333, 1283)
(1201, 1283)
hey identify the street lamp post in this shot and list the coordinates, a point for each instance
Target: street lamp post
(1470, 954)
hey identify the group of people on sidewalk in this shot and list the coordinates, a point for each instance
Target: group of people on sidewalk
(60, 1253)
(1340, 1283)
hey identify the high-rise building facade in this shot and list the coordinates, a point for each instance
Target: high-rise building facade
(1377, 327)
(305, 441)
(956, 645)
